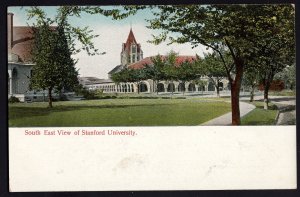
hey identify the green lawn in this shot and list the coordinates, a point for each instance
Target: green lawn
(259, 116)
(117, 112)
(282, 93)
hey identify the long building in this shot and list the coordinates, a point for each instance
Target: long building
(132, 57)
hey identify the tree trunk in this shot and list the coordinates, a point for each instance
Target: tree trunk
(218, 90)
(50, 97)
(235, 94)
(266, 95)
(235, 105)
(252, 93)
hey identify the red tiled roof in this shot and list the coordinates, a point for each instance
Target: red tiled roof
(147, 61)
(22, 43)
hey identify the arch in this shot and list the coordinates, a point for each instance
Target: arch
(221, 86)
(192, 87)
(171, 87)
(211, 86)
(125, 88)
(201, 88)
(181, 87)
(160, 87)
(143, 87)
(128, 87)
(132, 89)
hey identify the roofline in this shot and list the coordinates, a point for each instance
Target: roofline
(20, 63)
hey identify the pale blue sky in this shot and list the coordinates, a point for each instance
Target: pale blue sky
(112, 34)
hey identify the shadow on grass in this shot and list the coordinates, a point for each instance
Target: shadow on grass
(271, 107)
(21, 112)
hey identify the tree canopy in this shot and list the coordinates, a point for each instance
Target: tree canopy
(235, 28)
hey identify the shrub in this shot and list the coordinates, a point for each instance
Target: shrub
(13, 99)
(89, 94)
(276, 85)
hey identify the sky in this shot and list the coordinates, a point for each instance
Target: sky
(112, 34)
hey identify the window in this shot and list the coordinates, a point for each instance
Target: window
(133, 48)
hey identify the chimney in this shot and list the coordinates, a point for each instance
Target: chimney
(9, 32)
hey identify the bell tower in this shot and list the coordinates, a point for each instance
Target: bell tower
(131, 50)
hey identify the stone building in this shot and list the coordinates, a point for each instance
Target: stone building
(132, 57)
(19, 44)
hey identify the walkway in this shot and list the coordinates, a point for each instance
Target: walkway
(287, 110)
(286, 106)
(225, 119)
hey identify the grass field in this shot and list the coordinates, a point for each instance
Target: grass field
(282, 93)
(117, 112)
(259, 116)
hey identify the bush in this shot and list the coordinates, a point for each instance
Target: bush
(276, 85)
(89, 95)
(13, 99)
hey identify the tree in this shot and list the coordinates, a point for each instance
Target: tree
(276, 45)
(201, 83)
(136, 76)
(250, 79)
(169, 70)
(233, 27)
(187, 71)
(155, 70)
(119, 77)
(288, 75)
(48, 72)
(130, 75)
(212, 67)
(53, 46)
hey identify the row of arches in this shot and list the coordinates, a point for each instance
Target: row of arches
(160, 87)
(125, 88)
(191, 87)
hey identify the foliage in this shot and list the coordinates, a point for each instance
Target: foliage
(53, 46)
(169, 69)
(187, 71)
(276, 85)
(155, 71)
(13, 99)
(276, 45)
(212, 67)
(288, 75)
(242, 30)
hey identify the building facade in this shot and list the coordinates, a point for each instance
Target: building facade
(132, 57)
(19, 44)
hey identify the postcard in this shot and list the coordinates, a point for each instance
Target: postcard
(130, 98)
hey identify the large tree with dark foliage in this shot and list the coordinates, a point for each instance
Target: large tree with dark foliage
(236, 28)
(53, 46)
